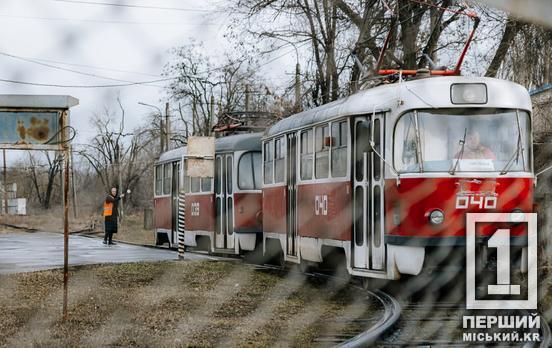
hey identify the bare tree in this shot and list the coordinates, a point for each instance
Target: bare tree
(119, 158)
(44, 184)
(206, 91)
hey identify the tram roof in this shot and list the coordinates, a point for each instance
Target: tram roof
(172, 155)
(417, 94)
(239, 142)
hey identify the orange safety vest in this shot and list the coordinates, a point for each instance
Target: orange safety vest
(108, 209)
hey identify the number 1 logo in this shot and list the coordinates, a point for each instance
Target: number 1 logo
(500, 240)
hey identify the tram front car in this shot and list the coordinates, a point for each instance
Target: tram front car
(465, 147)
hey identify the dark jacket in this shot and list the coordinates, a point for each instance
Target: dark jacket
(111, 221)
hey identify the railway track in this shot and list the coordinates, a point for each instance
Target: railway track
(440, 325)
(395, 324)
(362, 329)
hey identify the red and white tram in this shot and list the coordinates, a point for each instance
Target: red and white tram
(223, 214)
(167, 181)
(388, 174)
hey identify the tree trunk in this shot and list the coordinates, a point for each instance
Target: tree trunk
(510, 32)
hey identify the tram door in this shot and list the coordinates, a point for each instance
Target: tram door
(291, 164)
(174, 201)
(368, 229)
(224, 202)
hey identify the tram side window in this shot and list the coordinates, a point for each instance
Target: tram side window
(167, 169)
(195, 184)
(159, 180)
(249, 173)
(186, 181)
(377, 146)
(186, 184)
(279, 161)
(206, 184)
(306, 155)
(268, 163)
(339, 149)
(322, 140)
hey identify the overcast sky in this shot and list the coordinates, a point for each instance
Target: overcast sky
(117, 42)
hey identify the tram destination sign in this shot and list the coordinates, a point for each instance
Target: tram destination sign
(34, 122)
(200, 157)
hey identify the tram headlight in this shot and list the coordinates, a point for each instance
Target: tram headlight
(436, 217)
(468, 93)
(517, 215)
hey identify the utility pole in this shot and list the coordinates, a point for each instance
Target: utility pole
(212, 113)
(5, 184)
(161, 134)
(167, 127)
(194, 117)
(65, 186)
(162, 130)
(120, 180)
(247, 95)
(297, 87)
(75, 213)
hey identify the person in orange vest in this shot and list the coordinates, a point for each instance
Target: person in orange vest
(110, 213)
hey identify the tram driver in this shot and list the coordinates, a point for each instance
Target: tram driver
(473, 148)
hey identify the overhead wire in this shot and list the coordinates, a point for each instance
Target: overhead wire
(85, 86)
(126, 83)
(92, 67)
(136, 6)
(101, 21)
(29, 60)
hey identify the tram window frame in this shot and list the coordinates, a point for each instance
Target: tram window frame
(247, 162)
(321, 151)
(339, 148)
(195, 184)
(167, 178)
(268, 162)
(377, 139)
(229, 175)
(185, 178)
(306, 155)
(206, 184)
(159, 180)
(279, 160)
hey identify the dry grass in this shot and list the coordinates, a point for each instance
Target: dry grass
(172, 304)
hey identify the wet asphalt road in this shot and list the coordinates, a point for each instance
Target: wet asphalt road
(26, 252)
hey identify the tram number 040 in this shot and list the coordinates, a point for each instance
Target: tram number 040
(482, 202)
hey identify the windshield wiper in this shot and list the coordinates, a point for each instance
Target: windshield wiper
(418, 143)
(462, 143)
(519, 150)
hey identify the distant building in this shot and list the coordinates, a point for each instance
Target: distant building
(16, 206)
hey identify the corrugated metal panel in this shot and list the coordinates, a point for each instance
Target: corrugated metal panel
(540, 89)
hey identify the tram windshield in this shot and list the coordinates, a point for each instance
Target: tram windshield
(463, 140)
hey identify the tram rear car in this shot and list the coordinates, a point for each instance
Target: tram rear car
(167, 181)
(223, 214)
(387, 175)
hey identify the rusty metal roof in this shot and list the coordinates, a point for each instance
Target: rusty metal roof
(37, 101)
